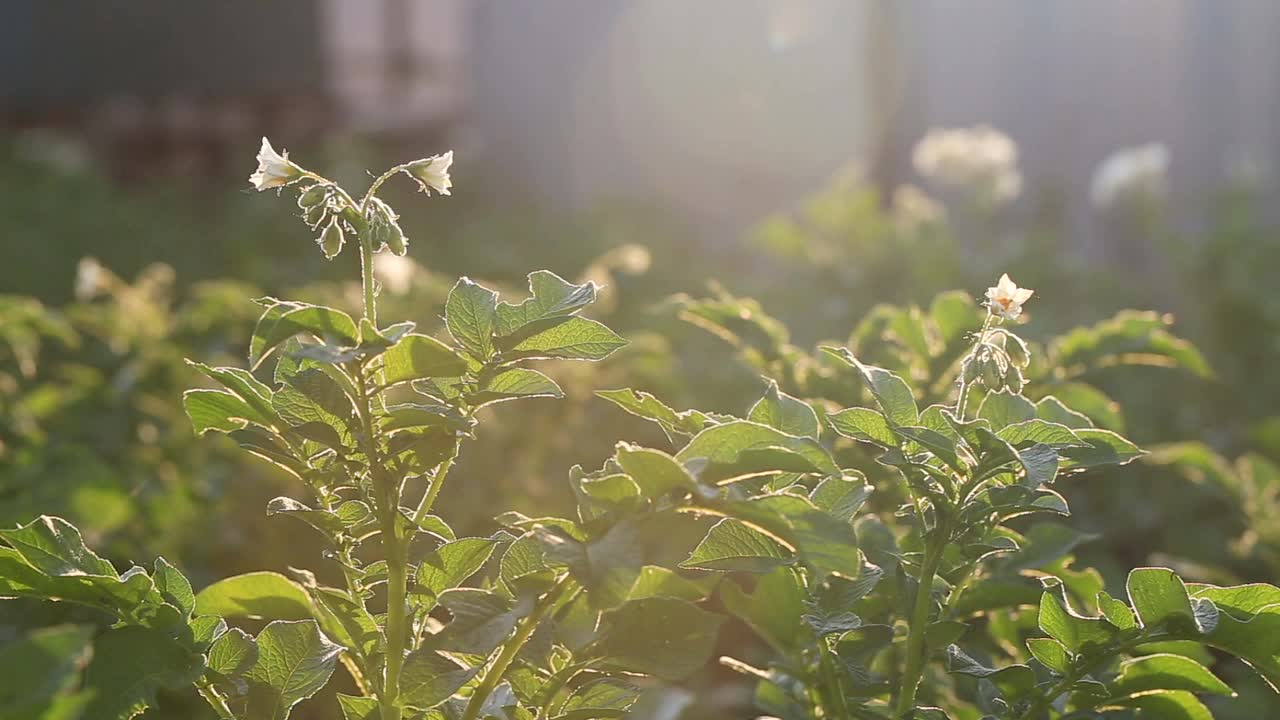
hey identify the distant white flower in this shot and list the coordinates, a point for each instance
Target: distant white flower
(432, 173)
(91, 277)
(274, 169)
(395, 272)
(1006, 298)
(981, 160)
(913, 208)
(1130, 173)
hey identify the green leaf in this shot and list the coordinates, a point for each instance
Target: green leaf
(600, 698)
(358, 708)
(1051, 653)
(469, 314)
(825, 543)
(515, 384)
(1013, 680)
(345, 621)
(890, 391)
(1103, 448)
(783, 412)
(841, 497)
(415, 415)
(420, 356)
(283, 320)
(657, 581)
(219, 411)
(451, 564)
(1002, 409)
(234, 652)
(326, 522)
(734, 546)
(41, 665)
(481, 621)
(1076, 632)
(1159, 596)
(241, 383)
(942, 634)
(429, 678)
(255, 595)
(1172, 705)
(1166, 672)
(655, 472)
(54, 547)
(1248, 625)
(1051, 409)
(665, 637)
(940, 445)
(863, 424)
(1039, 431)
(645, 405)
(1116, 612)
(728, 450)
(173, 586)
(1045, 543)
(294, 662)
(773, 609)
(572, 338)
(130, 664)
(550, 296)
(131, 596)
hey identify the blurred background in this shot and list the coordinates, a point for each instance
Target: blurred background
(821, 156)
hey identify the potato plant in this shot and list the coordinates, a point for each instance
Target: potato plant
(942, 603)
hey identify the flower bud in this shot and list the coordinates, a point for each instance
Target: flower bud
(316, 215)
(383, 228)
(1014, 380)
(331, 240)
(992, 378)
(971, 369)
(313, 196)
(1017, 350)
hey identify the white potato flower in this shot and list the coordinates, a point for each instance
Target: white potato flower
(981, 160)
(1130, 173)
(274, 169)
(1006, 298)
(432, 173)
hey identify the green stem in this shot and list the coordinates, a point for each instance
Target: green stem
(437, 482)
(216, 701)
(963, 400)
(914, 667)
(396, 629)
(387, 506)
(832, 689)
(513, 647)
(1068, 681)
(366, 278)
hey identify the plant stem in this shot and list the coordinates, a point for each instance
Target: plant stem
(1070, 679)
(215, 700)
(437, 482)
(513, 647)
(387, 506)
(964, 384)
(914, 668)
(366, 278)
(832, 689)
(396, 630)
